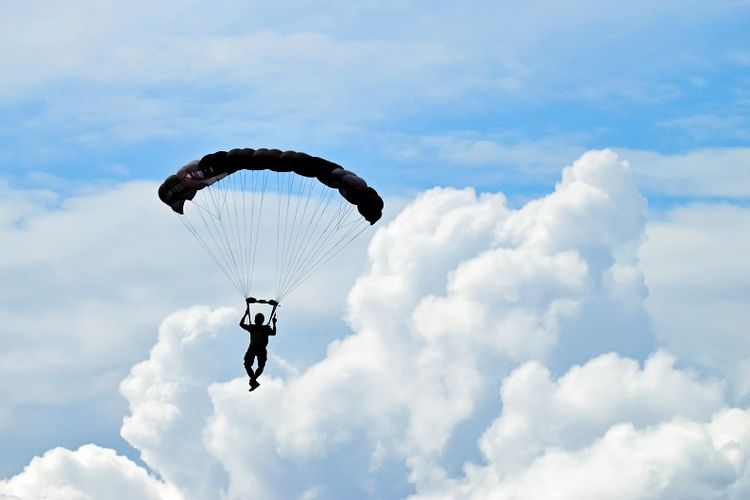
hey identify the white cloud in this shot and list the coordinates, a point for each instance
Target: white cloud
(609, 428)
(87, 278)
(717, 172)
(540, 413)
(702, 127)
(87, 283)
(128, 35)
(168, 399)
(89, 473)
(695, 263)
(136, 75)
(459, 289)
(676, 459)
(129, 72)
(456, 283)
(511, 156)
(17, 206)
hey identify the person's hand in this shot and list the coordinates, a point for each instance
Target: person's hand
(273, 302)
(274, 320)
(251, 300)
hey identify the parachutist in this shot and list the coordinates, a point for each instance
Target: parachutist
(220, 200)
(259, 334)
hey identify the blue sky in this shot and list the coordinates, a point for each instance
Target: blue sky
(606, 148)
(117, 92)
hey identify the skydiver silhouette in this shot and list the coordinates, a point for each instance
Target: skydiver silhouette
(259, 334)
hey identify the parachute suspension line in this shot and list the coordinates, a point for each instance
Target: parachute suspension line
(208, 219)
(327, 256)
(295, 242)
(301, 241)
(308, 251)
(244, 243)
(294, 192)
(247, 225)
(282, 248)
(219, 262)
(228, 191)
(239, 237)
(278, 229)
(222, 195)
(217, 256)
(324, 260)
(289, 244)
(237, 191)
(258, 219)
(352, 228)
(232, 227)
(283, 191)
(313, 222)
(219, 211)
(312, 254)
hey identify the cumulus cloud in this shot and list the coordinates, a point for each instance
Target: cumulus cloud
(87, 284)
(168, 399)
(459, 286)
(675, 459)
(609, 428)
(88, 277)
(83, 289)
(88, 473)
(462, 294)
(539, 413)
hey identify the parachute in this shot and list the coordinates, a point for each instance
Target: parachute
(265, 212)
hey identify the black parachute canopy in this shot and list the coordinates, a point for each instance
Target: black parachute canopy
(196, 175)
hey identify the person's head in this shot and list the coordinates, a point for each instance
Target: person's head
(259, 318)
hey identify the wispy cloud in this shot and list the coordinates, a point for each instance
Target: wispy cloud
(703, 173)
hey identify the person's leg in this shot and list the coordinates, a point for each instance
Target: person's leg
(249, 358)
(261, 362)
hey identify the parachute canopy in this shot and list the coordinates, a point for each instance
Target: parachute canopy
(268, 209)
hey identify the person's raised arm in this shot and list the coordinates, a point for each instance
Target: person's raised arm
(248, 301)
(272, 317)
